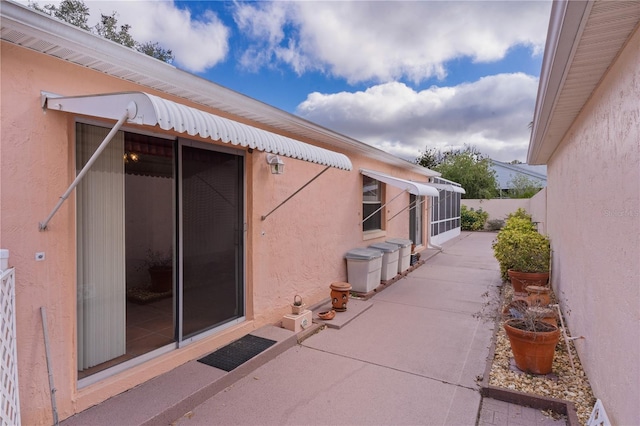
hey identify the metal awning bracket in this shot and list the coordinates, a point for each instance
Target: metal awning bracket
(130, 112)
(295, 193)
(381, 207)
(44, 96)
(411, 206)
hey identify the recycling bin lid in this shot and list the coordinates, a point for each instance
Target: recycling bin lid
(385, 247)
(402, 242)
(363, 254)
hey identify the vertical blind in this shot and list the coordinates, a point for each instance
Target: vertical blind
(101, 288)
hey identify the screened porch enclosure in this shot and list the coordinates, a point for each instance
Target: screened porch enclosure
(160, 245)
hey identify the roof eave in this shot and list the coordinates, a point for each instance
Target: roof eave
(583, 41)
(566, 22)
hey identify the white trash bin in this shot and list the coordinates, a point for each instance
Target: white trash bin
(404, 259)
(390, 256)
(363, 269)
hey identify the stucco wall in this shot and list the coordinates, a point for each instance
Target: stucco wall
(498, 208)
(297, 250)
(594, 222)
(538, 210)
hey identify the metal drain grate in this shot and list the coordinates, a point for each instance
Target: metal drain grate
(237, 353)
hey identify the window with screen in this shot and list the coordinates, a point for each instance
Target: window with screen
(371, 204)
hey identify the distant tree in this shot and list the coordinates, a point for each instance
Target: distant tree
(430, 158)
(108, 28)
(75, 12)
(156, 51)
(521, 186)
(471, 169)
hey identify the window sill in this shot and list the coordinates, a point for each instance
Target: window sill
(371, 235)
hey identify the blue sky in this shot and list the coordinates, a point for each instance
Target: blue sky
(399, 75)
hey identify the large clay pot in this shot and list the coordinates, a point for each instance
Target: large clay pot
(521, 280)
(340, 295)
(533, 351)
(538, 296)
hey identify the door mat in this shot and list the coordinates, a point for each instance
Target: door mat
(237, 353)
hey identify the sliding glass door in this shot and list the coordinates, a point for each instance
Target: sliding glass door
(159, 245)
(212, 233)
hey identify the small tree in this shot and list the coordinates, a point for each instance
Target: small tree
(521, 186)
(470, 169)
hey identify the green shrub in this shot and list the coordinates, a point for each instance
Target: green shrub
(517, 223)
(472, 220)
(519, 246)
(520, 213)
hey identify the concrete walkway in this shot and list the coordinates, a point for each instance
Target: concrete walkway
(414, 353)
(414, 357)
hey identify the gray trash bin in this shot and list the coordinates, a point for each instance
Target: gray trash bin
(363, 269)
(404, 259)
(390, 256)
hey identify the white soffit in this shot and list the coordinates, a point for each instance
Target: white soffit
(583, 41)
(414, 188)
(152, 110)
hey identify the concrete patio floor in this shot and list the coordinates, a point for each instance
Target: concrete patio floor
(414, 353)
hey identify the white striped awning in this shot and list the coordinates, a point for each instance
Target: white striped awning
(150, 110)
(448, 187)
(415, 188)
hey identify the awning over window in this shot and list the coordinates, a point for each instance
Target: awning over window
(414, 188)
(448, 187)
(152, 110)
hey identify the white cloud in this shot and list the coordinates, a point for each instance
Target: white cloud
(386, 41)
(197, 44)
(492, 114)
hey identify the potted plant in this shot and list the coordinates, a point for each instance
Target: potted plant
(160, 267)
(533, 338)
(523, 254)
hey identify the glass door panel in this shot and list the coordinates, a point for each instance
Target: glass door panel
(212, 232)
(416, 219)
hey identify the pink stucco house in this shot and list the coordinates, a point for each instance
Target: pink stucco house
(586, 130)
(183, 178)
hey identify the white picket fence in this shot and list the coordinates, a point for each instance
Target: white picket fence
(10, 408)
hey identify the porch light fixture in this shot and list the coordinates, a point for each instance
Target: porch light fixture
(131, 156)
(276, 164)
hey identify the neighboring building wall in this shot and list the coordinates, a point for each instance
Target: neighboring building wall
(593, 201)
(299, 249)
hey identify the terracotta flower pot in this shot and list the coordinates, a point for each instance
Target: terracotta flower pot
(521, 280)
(533, 351)
(340, 295)
(327, 315)
(538, 295)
